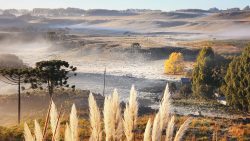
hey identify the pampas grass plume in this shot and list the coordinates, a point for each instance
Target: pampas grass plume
(165, 108)
(130, 114)
(112, 117)
(38, 131)
(53, 122)
(183, 128)
(27, 134)
(147, 133)
(170, 130)
(74, 123)
(107, 113)
(156, 133)
(133, 104)
(67, 134)
(95, 119)
(117, 118)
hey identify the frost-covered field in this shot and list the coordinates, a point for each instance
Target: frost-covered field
(122, 67)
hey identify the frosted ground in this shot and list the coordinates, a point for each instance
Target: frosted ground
(106, 42)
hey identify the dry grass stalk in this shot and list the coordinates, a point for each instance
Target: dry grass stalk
(130, 115)
(133, 104)
(128, 124)
(112, 117)
(183, 128)
(95, 119)
(67, 134)
(170, 130)
(47, 121)
(165, 108)
(156, 134)
(117, 118)
(113, 121)
(147, 133)
(57, 125)
(38, 131)
(162, 117)
(74, 123)
(27, 134)
(107, 117)
(53, 122)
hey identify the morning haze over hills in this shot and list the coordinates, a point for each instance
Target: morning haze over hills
(77, 11)
(131, 20)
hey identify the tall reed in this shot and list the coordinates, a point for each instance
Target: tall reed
(53, 122)
(130, 115)
(114, 125)
(38, 131)
(47, 119)
(67, 133)
(183, 128)
(112, 117)
(147, 133)
(95, 119)
(117, 118)
(162, 117)
(74, 123)
(107, 117)
(165, 108)
(27, 134)
(156, 133)
(170, 130)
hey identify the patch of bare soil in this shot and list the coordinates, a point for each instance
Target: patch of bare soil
(36, 104)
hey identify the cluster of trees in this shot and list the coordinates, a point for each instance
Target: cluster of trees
(50, 74)
(213, 73)
(236, 86)
(205, 76)
(174, 64)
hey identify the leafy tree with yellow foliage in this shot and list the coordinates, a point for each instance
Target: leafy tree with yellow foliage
(174, 64)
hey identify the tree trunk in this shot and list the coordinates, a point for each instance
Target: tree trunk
(19, 100)
(50, 88)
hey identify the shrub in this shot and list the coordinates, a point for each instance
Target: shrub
(174, 64)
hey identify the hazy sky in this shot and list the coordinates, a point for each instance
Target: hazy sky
(123, 4)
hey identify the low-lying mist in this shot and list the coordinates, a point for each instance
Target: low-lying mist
(9, 61)
(235, 32)
(29, 50)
